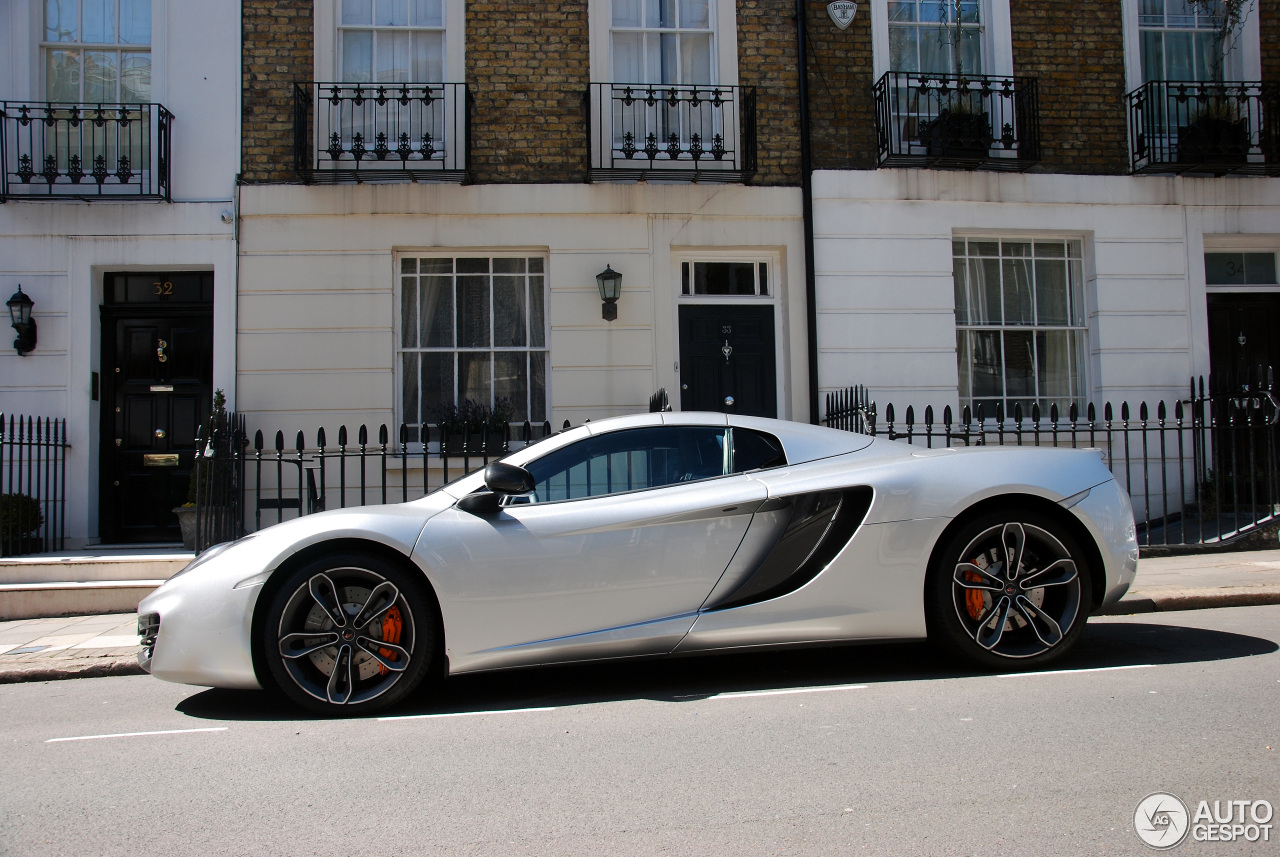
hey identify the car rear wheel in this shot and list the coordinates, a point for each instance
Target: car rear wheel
(1010, 589)
(349, 634)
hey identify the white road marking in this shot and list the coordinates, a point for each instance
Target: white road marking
(137, 734)
(464, 713)
(787, 692)
(1071, 672)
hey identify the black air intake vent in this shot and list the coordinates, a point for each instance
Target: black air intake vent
(821, 524)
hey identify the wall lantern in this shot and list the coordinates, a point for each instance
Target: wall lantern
(20, 315)
(610, 283)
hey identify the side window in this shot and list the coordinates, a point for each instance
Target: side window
(629, 460)
(755, 450)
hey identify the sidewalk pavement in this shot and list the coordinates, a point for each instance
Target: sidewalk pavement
(89, 646)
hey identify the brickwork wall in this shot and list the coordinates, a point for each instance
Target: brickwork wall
(842, 129)
(528, 67)
(278, 49)
(1269, 25)
(1079, 61)
(767, 61)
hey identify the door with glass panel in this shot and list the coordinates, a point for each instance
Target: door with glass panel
(664, 50)
(96, 59)
(390, 92)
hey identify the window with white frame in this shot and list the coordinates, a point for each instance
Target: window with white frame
(1240, 269)
(919, 36)
(1183, 40)
(730, 279)
(1180, 40)
(391, 41)
(662, 41)
(97, 51)
(1020, 322)
(931, 35)
(472, 328)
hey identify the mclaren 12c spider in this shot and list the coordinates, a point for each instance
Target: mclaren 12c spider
(657, 534)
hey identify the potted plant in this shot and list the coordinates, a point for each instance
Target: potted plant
(20, 516)
(1216, 132)
(962, 129)
(201, 485)
(471, 427)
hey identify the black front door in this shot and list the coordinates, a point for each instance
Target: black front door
(1244, 334)
(157, 369)
(727, 359)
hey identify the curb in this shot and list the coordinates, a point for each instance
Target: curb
(1151, 601)
(88, 668)
(1161, 601)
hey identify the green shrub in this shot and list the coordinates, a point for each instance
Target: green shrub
(20, 515)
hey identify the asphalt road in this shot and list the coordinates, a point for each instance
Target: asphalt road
(881, 749)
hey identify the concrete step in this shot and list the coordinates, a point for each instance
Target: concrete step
(93, 581)
(72, 598)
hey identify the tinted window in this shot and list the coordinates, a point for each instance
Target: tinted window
(629, 460)
(755, 450)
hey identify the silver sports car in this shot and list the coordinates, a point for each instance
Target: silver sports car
(663, 533)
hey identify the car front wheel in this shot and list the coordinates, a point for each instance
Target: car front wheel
(1010, 589)
(348, 634)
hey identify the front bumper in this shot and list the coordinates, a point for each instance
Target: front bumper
(204, 634)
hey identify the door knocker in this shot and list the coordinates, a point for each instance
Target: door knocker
(160, 355)
(726, 350)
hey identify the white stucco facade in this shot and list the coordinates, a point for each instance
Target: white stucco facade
(59, 250)
(885, 299)
(318, 309)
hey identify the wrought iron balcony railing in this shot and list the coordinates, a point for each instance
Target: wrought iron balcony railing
(359, 132)
(1218, 128)
(655, 131)
(945, 120)
(56, 150)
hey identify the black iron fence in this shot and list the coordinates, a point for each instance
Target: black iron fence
(33, 484)
(381, 132)
(246, 483)
(1201, 471)
(84, 151)
(948, 120)
(1181, 126)
(702, 132)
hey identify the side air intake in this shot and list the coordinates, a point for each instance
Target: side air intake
(821, 524)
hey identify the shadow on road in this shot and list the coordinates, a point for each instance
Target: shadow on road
(684, 679)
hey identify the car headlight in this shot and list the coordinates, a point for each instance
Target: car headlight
(210, 553)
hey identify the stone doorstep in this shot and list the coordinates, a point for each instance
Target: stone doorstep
(72, 598)
(44, 569)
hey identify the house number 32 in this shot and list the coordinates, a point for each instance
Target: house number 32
(165, 288)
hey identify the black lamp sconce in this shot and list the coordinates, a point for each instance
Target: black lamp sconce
(20, 316)
(610, 283)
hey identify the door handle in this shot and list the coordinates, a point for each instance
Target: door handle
(161, 433)
(728, 401)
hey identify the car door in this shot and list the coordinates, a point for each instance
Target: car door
(624, 537)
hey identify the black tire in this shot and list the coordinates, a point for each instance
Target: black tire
(368, 657)
(969, 589)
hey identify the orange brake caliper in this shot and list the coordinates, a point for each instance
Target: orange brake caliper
(973, 597)
(392, 623)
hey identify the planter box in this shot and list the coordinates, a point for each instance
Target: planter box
(959, 136)
(1214, 141)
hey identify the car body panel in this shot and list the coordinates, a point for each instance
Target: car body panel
(513, 582)
(641, 573)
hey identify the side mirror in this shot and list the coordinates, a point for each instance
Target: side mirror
(499, 480)
(508, 479)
